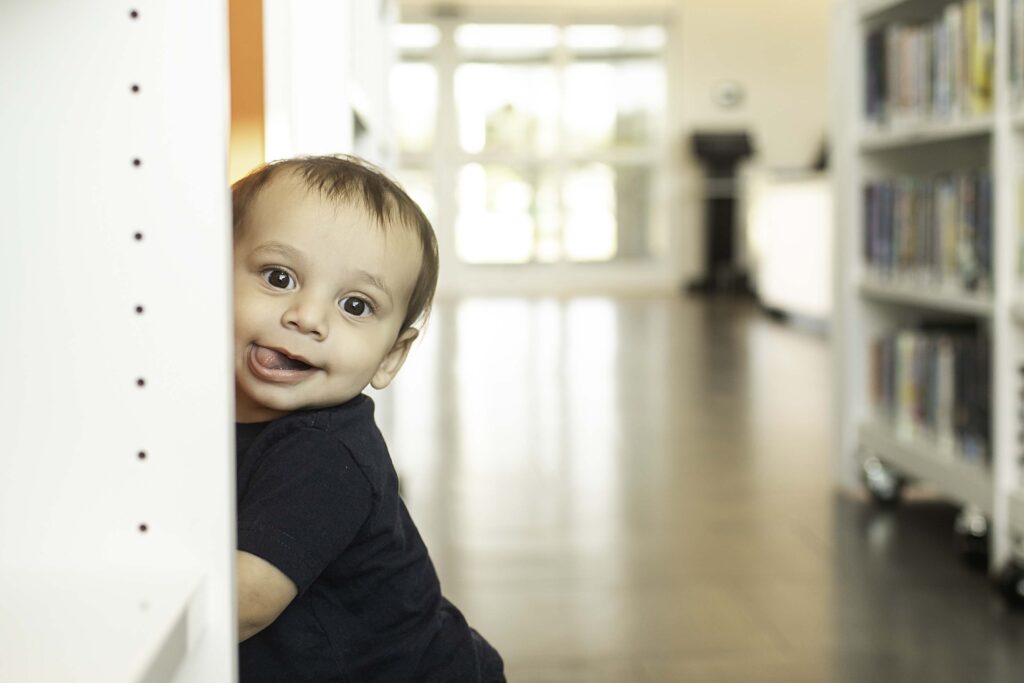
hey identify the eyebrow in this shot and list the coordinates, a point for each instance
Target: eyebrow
(375, 281)
(281, 248)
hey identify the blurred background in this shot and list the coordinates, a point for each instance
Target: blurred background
(694, 403)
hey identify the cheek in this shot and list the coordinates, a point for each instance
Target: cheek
(247, 313)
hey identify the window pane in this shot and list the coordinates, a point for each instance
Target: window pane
(414, 105)
(595, 38)
(418, 183)
(506, 39)
(495, 220)
(612, 104)
(506, 107)
(632, 210)
(549, 219)
(590, 230)
(415, 36)
(606, 211)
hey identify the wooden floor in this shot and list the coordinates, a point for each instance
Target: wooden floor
(639, 490)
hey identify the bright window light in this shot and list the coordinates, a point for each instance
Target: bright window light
(415, 36)
(414, 82)
(495, 223)
(587, 38)
(511, 38)
(508, 107)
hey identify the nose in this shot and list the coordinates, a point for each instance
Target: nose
(306, 316)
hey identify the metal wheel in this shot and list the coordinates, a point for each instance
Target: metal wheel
(971, 533)
(1011, 584)
(884, 485)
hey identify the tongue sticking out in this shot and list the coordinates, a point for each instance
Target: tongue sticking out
(275, 360)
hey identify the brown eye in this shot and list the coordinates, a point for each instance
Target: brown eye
(355, 306)
(277, 278)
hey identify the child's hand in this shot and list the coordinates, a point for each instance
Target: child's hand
(263, 593)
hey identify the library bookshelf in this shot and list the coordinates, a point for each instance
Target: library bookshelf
(928, 140)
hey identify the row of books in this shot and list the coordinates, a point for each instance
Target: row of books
(933, 384)
(935, 230)
(939, 70)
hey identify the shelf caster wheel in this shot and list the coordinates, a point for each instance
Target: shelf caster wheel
(1011, 584)
(971, 536)
(884, 485)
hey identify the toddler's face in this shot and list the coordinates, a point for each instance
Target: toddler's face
(320, 294)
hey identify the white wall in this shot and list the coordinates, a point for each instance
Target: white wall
(777, 50)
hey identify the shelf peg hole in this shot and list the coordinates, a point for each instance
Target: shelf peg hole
(140, 310)
(138, 236)
(136, 162)
(140, 382)
(136, 88)
(134, 14)
(143, 528)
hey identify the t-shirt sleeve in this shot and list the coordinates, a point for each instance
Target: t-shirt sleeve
(303, 505)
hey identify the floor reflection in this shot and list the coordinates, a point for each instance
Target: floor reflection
(640, 489)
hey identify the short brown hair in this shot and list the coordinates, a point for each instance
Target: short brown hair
(347, 178)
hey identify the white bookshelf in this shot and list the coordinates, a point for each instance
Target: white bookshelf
(868, 306)
(117, 474)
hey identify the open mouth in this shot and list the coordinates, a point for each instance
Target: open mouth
(276, 365)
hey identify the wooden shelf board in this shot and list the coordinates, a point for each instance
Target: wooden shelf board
(72, 626)
(925, 133)
(950, 301)
(961, 481)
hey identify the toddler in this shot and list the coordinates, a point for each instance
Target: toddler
(334, 267)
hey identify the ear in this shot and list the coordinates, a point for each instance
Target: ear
(392, 362)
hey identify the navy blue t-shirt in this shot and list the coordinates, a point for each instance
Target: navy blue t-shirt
(318, 499)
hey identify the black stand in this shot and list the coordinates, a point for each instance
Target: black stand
(720, 154)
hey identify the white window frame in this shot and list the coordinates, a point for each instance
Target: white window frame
(655, 272)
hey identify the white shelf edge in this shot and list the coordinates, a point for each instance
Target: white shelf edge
(1017, 310)
(123, 628)
(925, 133)
(1017, 513)
(867, 9)
(958, 480)
(944, 300)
